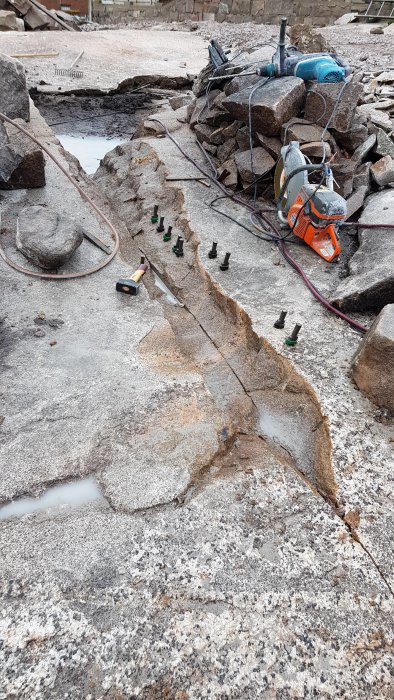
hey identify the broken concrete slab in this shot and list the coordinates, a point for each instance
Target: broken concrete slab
(300, 130)
(370, 284)
(14, 97)
(272, 104)
(383, 171)
(45, 238)
(253, 164)
(321, 101)
(373, 363)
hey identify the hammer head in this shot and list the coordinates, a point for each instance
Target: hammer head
(127, 286)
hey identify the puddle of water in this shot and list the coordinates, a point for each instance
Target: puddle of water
(74, 493)
(163, 287)
(275, 427)
(88, 149)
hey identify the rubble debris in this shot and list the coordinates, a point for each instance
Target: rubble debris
(8, 21)
(322, 98)
(180, 101)
(384, 144)
(376, 116)
(21, 15)
(300, 130)
(14, 97)
(383, 171)
(308, 40)
(316, 149)
(262, 163)
(273, 104)
(363, 150)
(373, 364)
(228, 174)
(356, 136)
(356, 200)
(370, 284)
(45, 238)
(25, 161)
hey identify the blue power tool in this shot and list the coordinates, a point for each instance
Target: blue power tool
(287, 60)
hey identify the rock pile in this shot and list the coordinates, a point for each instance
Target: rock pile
(21, 15)
(327, 119)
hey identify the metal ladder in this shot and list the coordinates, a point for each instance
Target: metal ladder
(379, 9)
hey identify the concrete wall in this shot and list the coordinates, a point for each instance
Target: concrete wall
(261, 11)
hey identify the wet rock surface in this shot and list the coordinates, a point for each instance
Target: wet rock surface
(46, 238)
(373, 364)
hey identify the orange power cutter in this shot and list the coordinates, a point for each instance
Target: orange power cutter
(311, 211)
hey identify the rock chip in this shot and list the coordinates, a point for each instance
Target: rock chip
(180, 101)
(228, 174)
(272, 104)
(36, 19)
(302, 131)
(241, 82)
(322, 100)
(362, 175)
(258, 162)
(356, 200)
(226, 150)
(46, 238)
(373, 364)
(308, 40)
(370, 284)
(14, 97)
(355, 137)
(383, 171)
(271, 144)
(376, 116)
(25, 159)
(8, 21)
(384, 144)
(362, 151)
(316, 149)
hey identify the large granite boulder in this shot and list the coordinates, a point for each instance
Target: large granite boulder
(46, 238)
(14, 97)
(370, 284)
(272, 104)
(373, 363)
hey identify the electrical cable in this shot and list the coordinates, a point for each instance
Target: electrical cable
(85, 196)
(281, 244)
(253, 90)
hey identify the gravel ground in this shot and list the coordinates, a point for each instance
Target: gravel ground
(353, 41)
